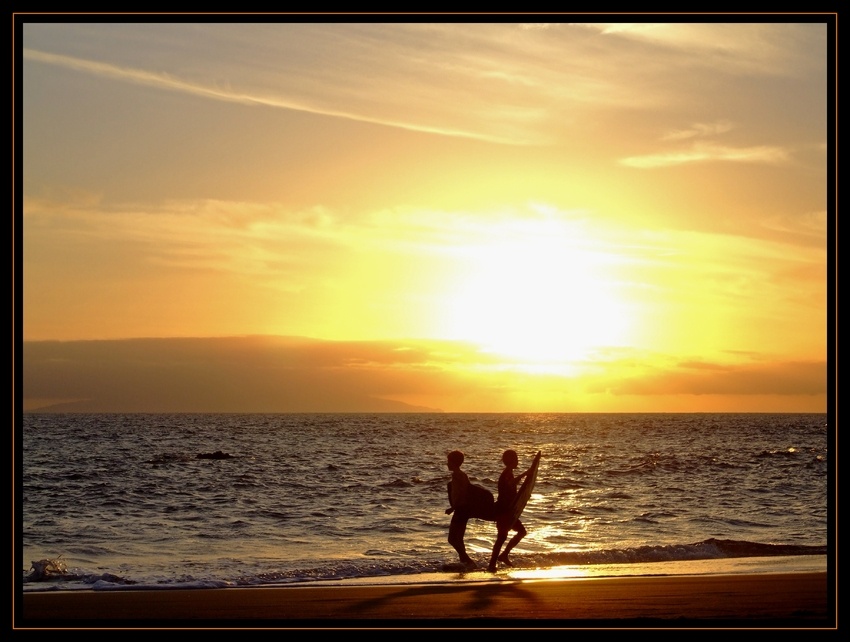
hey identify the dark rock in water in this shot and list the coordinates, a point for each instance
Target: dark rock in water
(216, 455)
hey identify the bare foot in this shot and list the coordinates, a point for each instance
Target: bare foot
(491, 568)
(470, 564)
(503, 558)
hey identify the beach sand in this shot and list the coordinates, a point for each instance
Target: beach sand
(761, 600)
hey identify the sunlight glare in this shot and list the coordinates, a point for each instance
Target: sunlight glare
(537, 298)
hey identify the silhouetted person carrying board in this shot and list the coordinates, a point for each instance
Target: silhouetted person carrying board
(504, 505)
(466, 500)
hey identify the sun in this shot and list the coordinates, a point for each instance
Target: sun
(537, 299)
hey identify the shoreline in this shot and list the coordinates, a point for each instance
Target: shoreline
(760, 600)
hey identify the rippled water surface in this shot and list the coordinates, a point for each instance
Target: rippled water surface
(253, 499)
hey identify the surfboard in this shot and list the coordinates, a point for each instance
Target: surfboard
(482, 504)
(507, 519)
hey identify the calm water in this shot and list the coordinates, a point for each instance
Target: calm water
(125, 501)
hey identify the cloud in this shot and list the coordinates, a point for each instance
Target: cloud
(788, 378)
(206, 234)
(227, 94)
(699, 130)
(747, 48)
(516, 84)
(810, 224)
(138, 76)
(243, 374)
(323, 106)
(296, 374)
(707, 153)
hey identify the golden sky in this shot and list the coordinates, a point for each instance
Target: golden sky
(481, 217)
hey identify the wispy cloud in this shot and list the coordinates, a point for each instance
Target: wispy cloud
(705, 153)
(169, 82)
(767, 47)
(139, 76)
(699, 130)
(512, 84)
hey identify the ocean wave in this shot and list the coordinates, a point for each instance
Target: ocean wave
(374, 567)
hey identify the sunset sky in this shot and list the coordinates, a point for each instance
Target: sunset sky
(480, 217)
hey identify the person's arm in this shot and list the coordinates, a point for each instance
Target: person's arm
(515, 480)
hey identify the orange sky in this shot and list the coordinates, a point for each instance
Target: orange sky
(463, 217)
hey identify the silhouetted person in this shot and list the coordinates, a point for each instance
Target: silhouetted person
(507, 494)
(459, 498)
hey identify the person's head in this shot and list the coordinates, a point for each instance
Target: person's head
(510, 459)
(454, 459)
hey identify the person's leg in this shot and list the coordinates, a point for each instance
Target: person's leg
(457, 529)
(520, 533)
(501, 536)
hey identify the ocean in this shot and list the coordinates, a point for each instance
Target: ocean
(162, 501)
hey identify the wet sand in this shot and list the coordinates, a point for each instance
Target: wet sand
(761, 600)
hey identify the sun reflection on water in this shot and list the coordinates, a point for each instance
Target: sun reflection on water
(557, 572)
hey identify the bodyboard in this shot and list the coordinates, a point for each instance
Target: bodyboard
(482, 504)
(506, 520)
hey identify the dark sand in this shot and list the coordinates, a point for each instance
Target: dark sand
(760, 600)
